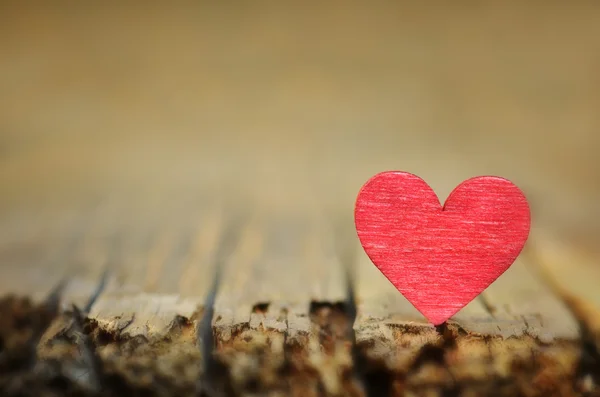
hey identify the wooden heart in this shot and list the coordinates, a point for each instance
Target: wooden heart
(441, 258)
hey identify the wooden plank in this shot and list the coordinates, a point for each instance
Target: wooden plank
(160, 250)
(573, 273)
(52, 247)
(89, 264)
(534, 331)
(164, 268)
(37, 251)
(522, 304)
(280, 322)
(46, 245)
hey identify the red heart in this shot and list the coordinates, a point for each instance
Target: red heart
(440, 259)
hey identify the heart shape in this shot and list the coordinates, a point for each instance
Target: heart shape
(441, 258)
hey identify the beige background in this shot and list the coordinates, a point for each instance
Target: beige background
(97, 100)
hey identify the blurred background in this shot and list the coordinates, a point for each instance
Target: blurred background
(125, 100)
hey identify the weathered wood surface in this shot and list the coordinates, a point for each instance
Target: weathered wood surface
(187, 182)
(280, 322)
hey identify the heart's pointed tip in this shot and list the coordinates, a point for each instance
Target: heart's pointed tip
(438, 321)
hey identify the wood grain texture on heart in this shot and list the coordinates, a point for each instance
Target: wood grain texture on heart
(441, 257)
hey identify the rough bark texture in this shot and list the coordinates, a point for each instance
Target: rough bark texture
(83, 359)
